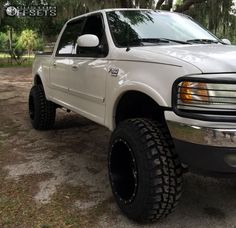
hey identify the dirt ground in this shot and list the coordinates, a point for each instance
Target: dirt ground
(59, 178)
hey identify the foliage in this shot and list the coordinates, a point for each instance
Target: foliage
(28, 40)
(218, 18)
(16, 44)
(216, 15)
(3, 41)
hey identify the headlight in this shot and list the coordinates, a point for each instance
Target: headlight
(205, 97)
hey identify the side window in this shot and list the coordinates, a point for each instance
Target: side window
(69, 37)
(94, 26)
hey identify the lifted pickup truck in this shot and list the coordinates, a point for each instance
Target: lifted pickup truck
(165, 87)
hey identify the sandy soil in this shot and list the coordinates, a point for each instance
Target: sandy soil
(59, 178)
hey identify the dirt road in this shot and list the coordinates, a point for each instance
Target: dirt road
(59, 178)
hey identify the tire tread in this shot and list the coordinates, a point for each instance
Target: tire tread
(45, 111)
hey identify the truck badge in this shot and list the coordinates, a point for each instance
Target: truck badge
(114, 72)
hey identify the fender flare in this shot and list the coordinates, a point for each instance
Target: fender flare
(134, 87)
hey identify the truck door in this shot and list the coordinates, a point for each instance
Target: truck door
(59, 79)
(88, 72)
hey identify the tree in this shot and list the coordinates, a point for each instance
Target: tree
(3, 41)
(216, 15)
(126, 3)
(28, 40)
(159, 4)
(187, 4)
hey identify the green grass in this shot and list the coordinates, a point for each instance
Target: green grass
(7, 56)
(5, 61)
(3, 56)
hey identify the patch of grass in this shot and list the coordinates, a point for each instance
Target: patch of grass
(44, 226)
(17, 207)
(27, 63)
(5, 61)
(100, 209)
(5, 55)
(10, 128)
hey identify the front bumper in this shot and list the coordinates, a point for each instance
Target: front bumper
(204, 146)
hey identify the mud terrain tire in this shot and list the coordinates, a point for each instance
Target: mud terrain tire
(41, 111)
(144, 170)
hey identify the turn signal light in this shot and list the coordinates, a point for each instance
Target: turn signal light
(191, 92)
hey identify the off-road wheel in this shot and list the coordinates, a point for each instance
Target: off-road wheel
(41, 111)
(144, 170)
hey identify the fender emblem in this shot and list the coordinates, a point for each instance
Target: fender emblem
(114, 72)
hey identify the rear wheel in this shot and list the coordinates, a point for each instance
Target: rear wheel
(145, 173)
(41, 111)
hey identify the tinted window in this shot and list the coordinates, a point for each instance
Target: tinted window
(133, 27)
(94, 26)
(69, 37)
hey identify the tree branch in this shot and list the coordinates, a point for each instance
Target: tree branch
(159, 3)
(187, 4)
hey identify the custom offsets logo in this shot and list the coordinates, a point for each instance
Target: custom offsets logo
(35, 9)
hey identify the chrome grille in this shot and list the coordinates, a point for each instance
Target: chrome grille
(205, 99)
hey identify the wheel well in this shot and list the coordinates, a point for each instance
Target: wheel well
(135, 104)
(37, 80)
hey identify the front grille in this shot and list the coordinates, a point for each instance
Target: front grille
(216, 101)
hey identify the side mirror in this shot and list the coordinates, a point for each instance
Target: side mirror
(226, 41)
(88, 41)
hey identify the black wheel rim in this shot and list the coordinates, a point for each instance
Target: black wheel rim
(123, 171)
(31, 108)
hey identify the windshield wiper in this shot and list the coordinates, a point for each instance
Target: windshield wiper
(161, 40)
(149, 40)
(203, 41)
(139, 42)
(175, 41)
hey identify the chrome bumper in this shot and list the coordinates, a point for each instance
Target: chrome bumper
(217, 137)
(204, 145)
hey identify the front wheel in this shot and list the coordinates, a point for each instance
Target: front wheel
(145, 173)
(41, 111)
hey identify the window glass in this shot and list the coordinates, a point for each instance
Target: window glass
(94, 26)
(69, 37)
(132, 27)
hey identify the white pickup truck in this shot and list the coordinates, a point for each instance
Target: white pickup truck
(164, 86)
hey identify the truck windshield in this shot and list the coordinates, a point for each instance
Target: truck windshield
(147, 27)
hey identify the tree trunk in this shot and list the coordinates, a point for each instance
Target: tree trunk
(211, 17)
(10, 43)
(170, 4)
(187, 4)
(142, 3)
(126, 3)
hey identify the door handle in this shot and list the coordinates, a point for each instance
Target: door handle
(54, 64)
(75, 67)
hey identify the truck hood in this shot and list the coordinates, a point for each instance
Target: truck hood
(212, 58)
